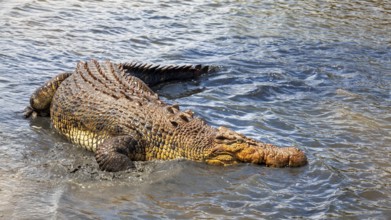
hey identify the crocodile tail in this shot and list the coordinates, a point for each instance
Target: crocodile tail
(154, 74)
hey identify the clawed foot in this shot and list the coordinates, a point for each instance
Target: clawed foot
(113, 162)
(33, 113)
(29, 112)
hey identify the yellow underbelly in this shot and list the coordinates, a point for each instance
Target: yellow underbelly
(85, 139)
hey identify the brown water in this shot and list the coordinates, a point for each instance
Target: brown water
(315, 74)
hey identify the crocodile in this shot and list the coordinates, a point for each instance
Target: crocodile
(111, 110)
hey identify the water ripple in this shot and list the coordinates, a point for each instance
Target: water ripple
(314, 74)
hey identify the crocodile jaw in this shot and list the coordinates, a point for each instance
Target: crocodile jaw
(230, 147)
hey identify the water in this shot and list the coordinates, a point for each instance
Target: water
(315, 74)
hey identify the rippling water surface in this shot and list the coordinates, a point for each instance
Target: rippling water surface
(315, 74)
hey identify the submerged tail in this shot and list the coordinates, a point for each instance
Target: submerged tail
(154, 74)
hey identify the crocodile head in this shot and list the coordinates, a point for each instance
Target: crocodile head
(230, 147)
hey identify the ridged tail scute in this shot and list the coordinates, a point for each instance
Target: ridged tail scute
(154, 74)
(109, 78)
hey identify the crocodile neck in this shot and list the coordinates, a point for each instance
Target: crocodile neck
(191, 140)
(177, 135)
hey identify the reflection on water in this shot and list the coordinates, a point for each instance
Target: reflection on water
(315, 74)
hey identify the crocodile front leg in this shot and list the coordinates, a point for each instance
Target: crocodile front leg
(117, 153)
(42, 97)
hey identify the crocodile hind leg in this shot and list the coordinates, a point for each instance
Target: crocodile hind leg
(117, 153)
(42, 97)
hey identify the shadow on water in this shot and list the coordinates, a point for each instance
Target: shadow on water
(314, 74)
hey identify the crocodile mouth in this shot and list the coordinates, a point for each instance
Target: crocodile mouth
(222, 158)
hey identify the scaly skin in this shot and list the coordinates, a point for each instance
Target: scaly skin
(104, 108)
